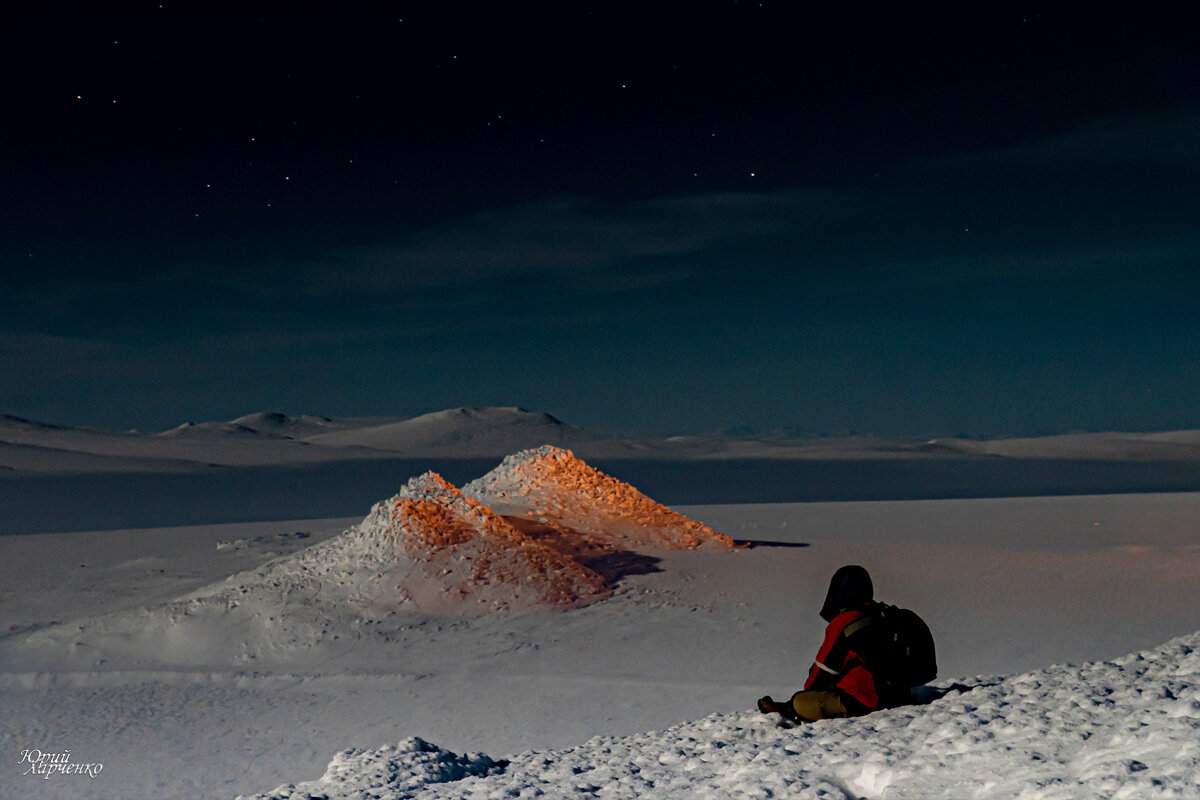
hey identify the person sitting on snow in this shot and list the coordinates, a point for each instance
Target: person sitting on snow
(840, 682)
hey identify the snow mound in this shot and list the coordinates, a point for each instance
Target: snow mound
(558, 537)
(428, 548)
(1125, 728)
(459, 549)
(550, 485)
(404, 768)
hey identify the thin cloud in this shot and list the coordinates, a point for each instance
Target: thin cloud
(1082, 271)
(1150, 138)
(590, 245)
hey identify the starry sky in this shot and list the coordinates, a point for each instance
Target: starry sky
(668, 216)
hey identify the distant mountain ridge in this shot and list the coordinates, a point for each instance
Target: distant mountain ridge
(468, 432)
(1166, 446)
(263, 423)
(273, 438)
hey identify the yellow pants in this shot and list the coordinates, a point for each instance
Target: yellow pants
(814, 705)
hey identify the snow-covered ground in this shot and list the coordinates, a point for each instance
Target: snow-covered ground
(1008, 586)
(1124, 728)
(138, 650)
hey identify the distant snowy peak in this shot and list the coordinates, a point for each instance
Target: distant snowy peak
(467, 425)
(7, 421)
(489, 415)
(459, 432)
(264, 424)
(276, 424)
(551, 485)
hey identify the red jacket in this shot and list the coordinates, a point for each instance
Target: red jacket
(839, 667)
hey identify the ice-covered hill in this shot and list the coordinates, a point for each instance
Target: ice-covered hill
(1128, 728)
(465, 432)
(253, 440)
(264, 423)
(550, 485)
(450, 553)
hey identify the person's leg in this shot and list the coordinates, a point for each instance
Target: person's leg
(814, 705)
(769, 706)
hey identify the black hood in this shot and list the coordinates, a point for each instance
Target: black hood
(850, 587)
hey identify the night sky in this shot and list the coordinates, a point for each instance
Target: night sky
(681, 217)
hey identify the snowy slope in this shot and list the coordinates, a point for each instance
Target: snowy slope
(270, 424)
(256, 439)
(1126, 728)
(465, 432)
(226, 699)
(451, 553)
(552, 486)
(1110, 446)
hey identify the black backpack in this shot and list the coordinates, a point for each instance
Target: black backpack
(900, 652)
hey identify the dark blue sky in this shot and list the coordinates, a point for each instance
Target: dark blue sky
(669, 216)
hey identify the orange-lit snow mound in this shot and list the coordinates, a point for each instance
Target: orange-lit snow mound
(454, 553)
(551, 486)
(561, 536)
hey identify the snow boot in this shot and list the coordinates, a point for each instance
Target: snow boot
(768, 706)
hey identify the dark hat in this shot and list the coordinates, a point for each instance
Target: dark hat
(850, 587)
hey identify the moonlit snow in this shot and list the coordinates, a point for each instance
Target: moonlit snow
(545, 629)
(1125, 728)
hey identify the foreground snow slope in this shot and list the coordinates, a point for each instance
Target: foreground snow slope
(212, 708)
(1125, 728)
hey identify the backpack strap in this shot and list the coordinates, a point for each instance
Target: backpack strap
(856, 626)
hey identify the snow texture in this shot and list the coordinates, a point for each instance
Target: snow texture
(456, 552)
(568, 533)
(427, 548)
(1127, 728)
(551, 486)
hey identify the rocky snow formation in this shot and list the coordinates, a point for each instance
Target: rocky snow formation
(550, 486)
(541, 530)
(457, 551)
(430, 548)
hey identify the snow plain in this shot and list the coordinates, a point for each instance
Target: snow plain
(220, 700)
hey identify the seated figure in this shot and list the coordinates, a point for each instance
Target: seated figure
(847, 678)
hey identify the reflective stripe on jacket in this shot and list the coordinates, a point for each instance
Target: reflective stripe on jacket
(839, 666)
